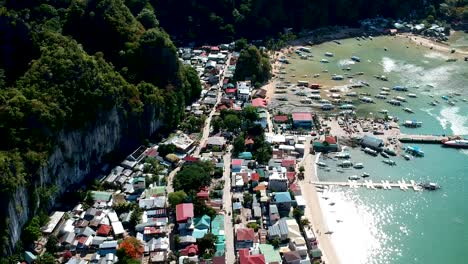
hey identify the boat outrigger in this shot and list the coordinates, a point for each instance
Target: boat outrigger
(412, 123)
(389, 162)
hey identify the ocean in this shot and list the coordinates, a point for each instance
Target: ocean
(394, 226)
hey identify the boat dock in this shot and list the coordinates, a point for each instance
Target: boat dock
(421, 138)
(369, 184)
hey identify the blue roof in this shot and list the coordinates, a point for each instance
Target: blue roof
(283, 197)
(245, 155)
(199, 233)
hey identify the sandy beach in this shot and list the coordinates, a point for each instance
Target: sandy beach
(438, 46)
(313, 211)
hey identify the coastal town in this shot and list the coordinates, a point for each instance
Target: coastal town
(237, 182)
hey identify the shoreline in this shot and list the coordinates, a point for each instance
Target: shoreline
(432, 44)
(313, 212)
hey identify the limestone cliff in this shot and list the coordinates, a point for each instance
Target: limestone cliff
(76, 153)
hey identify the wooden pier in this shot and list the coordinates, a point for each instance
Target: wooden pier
(430, 139)
(369, 184)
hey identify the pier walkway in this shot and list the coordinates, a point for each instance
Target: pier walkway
(405, 138)
(369, 184)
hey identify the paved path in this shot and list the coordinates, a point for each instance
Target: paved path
(227, 206)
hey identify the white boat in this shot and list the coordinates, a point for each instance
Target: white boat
(370, 151)
(384, 93)
(329, 54)
(407, 157)
(412, 123)
(347, 106)
(365, 175)
(346, 164)
(412, 95)
(383, 111)
(356, 58)
(394, 102)
(389, 162)
(385, 89)
(337, 77)
(321, 164)
(352, 94)
(358, 166)
(401, 99)
(406, 109)
(380, 96)
(367, 100)
(400, 88)
(324, 61)
(354, 177)
(459, 143)
(343, 155)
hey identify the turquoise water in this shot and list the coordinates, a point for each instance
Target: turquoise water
(382, 226)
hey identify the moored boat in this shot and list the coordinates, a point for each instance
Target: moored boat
(358, 166)
(354, 177)
(406, 157)
(370, 151)
(460, 143)
(412, 123)
(365, 175)
(383, 154)
(389, 162)
(356, 58)
(408, 110)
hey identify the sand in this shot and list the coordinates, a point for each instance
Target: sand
(435, 45)
(313, 211)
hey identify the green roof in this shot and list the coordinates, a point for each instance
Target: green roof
(202, 222)
(217, 225)
(101, 196)
(261, 172)
(316, 253)
(271, 254)
(155, 191)
(245, 155)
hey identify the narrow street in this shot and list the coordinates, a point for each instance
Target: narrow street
(227, 206)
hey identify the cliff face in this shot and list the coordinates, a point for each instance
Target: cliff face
(76, 153)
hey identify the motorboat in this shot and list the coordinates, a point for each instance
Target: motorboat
(390, 152)
(460, 143)
(352, 94)
(367, 100)
(389, 162)
(415, 151)
(400, 88)
(406, 157)
(356, 58)
(394, 102)
(380, 96)
(347, 106)
(433, 103)
(365, 175)
(412, 95)
(339, 170)
(370, 151)
(384, 93)
(383, 154)
(383, 111)
(401, 99)
(408, 110)
(354, 177)
(322, 164)
(324, 61)
(329, 54)
(385, 89)
(430, 186)
(358, 166)
(345, 164)
(412, 123)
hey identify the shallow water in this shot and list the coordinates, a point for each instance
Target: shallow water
(382, 226)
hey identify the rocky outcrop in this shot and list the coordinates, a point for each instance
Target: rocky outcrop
(77, 153)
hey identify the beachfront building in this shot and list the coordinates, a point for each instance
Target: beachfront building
(302, 120)
(328, 145)
(372, 142)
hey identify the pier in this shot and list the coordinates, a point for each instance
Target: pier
(429, 139)
(369, 184)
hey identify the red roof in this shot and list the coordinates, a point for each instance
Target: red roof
(245, 234)
(82, 240)
(204, 194)
(231, 90)
(281, 118)
(288, 163)
(184, 211)
(226, 80)
(190, 250)
(330, 140)
(259, 102)
(237, 162)
(255, 177)
(104, 230)
(246, 258)
(191, 159)
(291, 176)
(302, 116)
(151, 152)
(214, 48)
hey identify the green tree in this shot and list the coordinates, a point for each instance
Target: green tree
(253, 65)
(176, 198)
(248, 199)
(147, 18)
(238, 145)
(45, 258)
(206, 244)
(298, 213)
(165, 149)
(241, 44)
(52, 244)
(232, 122)
(275, 243)
(193, 177)
(32, 231)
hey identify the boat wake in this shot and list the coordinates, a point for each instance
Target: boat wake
(450, 118)
(436, 55)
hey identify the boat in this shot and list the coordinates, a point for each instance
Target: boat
(329, 54)
(385, 155)
(445, 97)
(324, 61)
(358, 166)
(390, 152)
(380, 96)
(337, 77)
(385, 89)
(383, 111)
(394, 102)
(389, 162)
(365, 175)
(346, 164)
(339, 170)
(408, 110)
(384, 93)
(430, 186)
(356, 58)
(316, 75)
(352, 94)
(452, 103)
(433, 103)
(400, 88)
(354, 177)
(412, 123)
(415, 151)
(406, 157)
(347, 106)
(337, 42)
(459, 143)
(322, 164)
(399, 98)
(367, 100)
(327, 107)
(412, 95)
(370, 151)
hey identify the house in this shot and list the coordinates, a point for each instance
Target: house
(201, 226)
(215, 142)
(280, 119)
(289, 164)
(372, 142)
(291, 176)
(283, 202)
(203, 194)
(273, 214)
(139, 183)
(277, 182)
(278, 230)
(292, 257)
(259, 102)
(262, 118)
(190, 250)
(298, 245)
(217, 229)
(108, 247)
(302, 120)
(104, 230)
(117, 228)
(272, 255)
(244, 238)
(184, 212)
(261, 93)
(246, 258)
(300, 202)
(236, 164)
(243, 91)
(190, 159)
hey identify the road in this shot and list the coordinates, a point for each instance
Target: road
(313, 212)
(227, 206)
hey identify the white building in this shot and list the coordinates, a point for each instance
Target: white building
(244, 89)
(277, 182)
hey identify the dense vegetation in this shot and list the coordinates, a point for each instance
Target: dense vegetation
(65, 64)
(253, 65)
(214, 21)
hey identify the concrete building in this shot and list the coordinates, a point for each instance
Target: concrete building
(302, 120)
